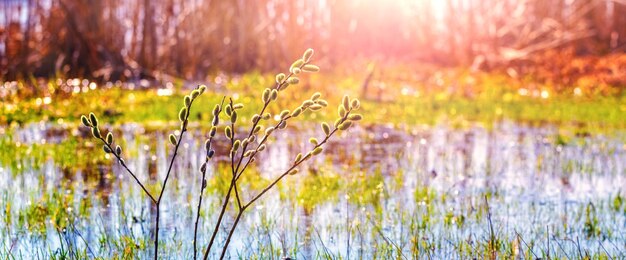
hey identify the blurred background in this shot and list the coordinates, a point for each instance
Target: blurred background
(491, 128)
(115, 39)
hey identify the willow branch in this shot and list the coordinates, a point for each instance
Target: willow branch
(203, 186)
(254, 124)
(233, 153)
(296, 164)
(263, 141)
(180, 139)
(119, 159)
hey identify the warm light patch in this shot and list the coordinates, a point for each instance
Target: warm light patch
(578, 92)
(164, 92)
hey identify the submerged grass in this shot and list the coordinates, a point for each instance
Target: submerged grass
(439, 227)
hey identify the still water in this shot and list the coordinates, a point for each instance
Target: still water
(376, 192)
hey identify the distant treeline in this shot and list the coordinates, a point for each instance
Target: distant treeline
(118, 39)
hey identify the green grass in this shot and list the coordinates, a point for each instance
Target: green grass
(489, 103)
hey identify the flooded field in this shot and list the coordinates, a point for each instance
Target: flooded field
(382, 192)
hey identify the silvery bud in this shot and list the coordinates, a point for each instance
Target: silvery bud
(109, 138)
(266, 95)
(229, 110)
(317, 150)
(195, 93)
(173, 139)
(346, 102)
(228, 132)
(355, 117)
(207, 144)
(297, 64)
(338, 121)
(94, 119)
(326, 128)
(344, 125)
(307, 103)
(96, 132)
(233, 117)
(85, 121)
(296, 112)
(307, 55)
(310, 68)
(315, 107)
(341, 111)
(255, 118)
(293, 80)
(182, 114)
(280, 77)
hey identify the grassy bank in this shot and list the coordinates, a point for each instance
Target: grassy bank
(412, 104)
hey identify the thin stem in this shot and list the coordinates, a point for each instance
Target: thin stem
(233, 183)
(203, 186)
(156, 234)
(219, 221)
(296, 164)
(260, 143)
(242, 209)
(167, 176)
(195, 231)
(277, 87)
(232, 230)
(236, 192)
(119, 159)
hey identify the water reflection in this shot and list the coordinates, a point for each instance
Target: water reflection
(431, 194)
